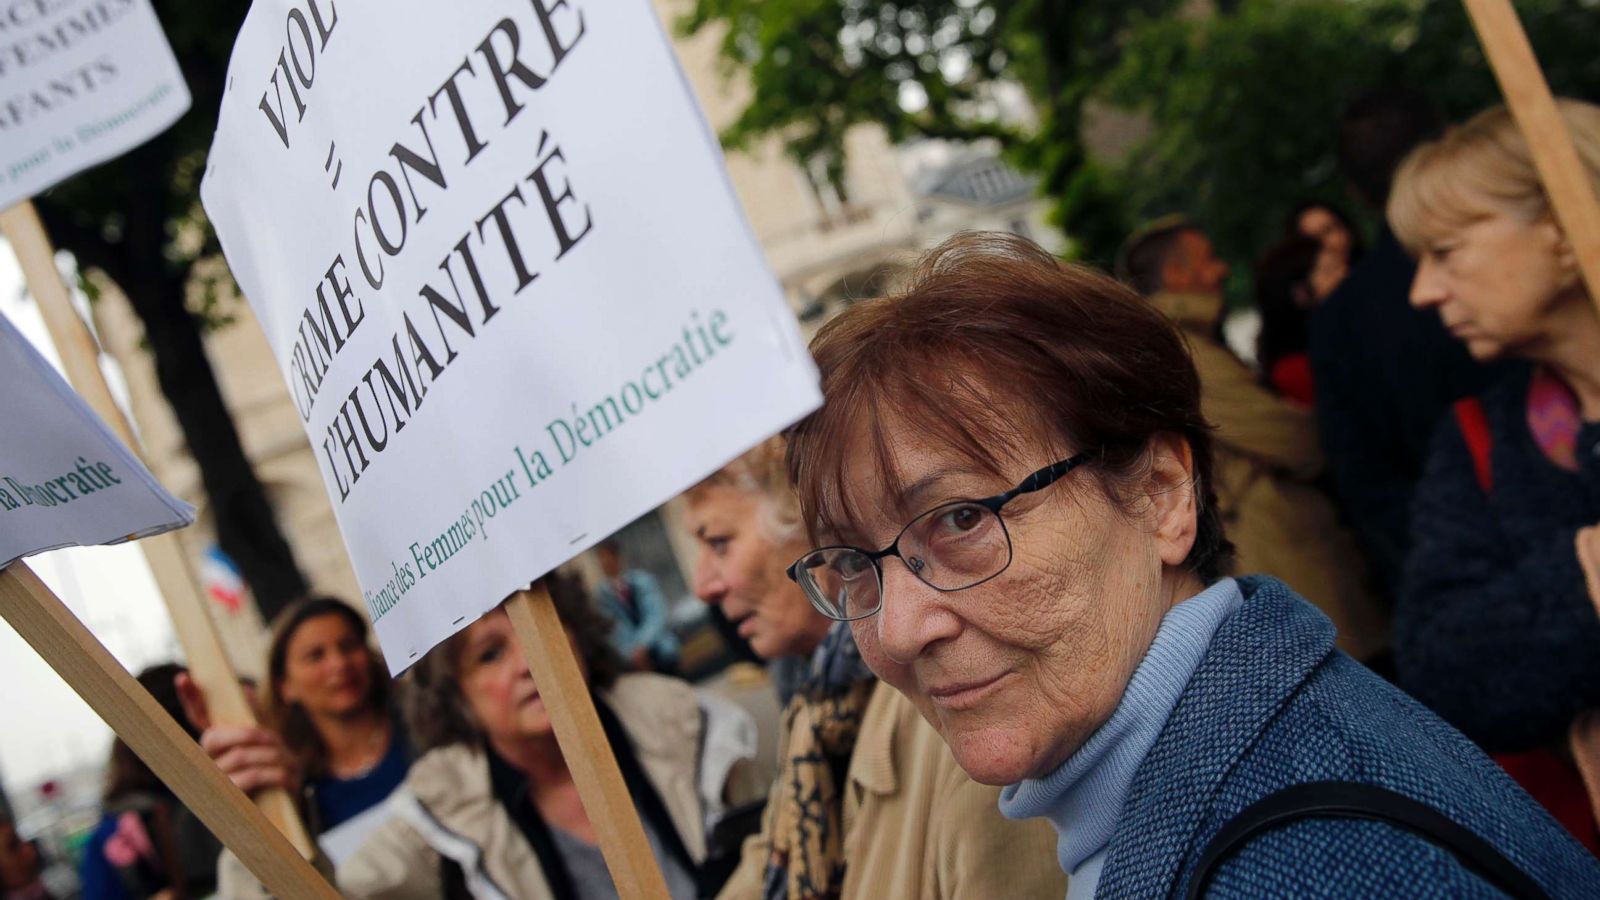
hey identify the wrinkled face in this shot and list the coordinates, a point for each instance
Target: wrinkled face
(1497, 283)
(496, 685)
(19, 861)
(1017, 672)
(741, 570)
(1321, 224)
(327, 668)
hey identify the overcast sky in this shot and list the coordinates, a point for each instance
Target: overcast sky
(46, 727)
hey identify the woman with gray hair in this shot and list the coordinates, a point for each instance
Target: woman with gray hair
(869, 803)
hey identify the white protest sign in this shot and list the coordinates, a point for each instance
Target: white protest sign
(64, 480)
(81, 81)
(495, 251)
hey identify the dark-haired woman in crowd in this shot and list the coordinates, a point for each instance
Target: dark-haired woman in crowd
(1329, 226)
(1284, 298)
(1015, 512)
(327, 719)
(490, 809)
(147, 844)
(1292, 278)
(1497, 626)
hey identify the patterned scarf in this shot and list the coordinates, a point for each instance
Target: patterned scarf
(823, 721)
(1553, 418)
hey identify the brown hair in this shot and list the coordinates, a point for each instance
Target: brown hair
(995, 348)
(435, 709)
(289, 720)
(1479, 168)
(126, 773)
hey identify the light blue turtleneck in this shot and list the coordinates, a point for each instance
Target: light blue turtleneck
(1084, 796)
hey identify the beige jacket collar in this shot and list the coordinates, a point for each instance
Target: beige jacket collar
(1191, 312)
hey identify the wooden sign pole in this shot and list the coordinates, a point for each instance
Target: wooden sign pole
(208, 663)
(1566, 181)
(584, 745)
(85, 664)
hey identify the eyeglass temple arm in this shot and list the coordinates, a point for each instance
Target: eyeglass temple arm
(1042, 478)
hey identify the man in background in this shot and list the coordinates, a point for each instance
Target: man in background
(633, 600)
(1266, 447)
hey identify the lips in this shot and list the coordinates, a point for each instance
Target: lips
(965, 694)
(745, 625)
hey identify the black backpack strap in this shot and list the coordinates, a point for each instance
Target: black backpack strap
(1351, 800)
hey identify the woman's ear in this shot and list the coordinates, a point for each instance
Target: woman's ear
(1566, 257)
(1173, 497)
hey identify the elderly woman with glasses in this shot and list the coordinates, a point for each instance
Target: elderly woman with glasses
(869, 802)
(1009, 488)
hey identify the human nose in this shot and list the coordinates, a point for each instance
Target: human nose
(1428, 288)
(707, 582)
(912, 617)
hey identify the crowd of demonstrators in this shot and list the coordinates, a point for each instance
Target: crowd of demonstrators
(147, 844)
(1497, 627)
(1268, 458)
(991, 579)
(1021, 526)
(490, 808)
(869, 801)
(1385, 371)
(329, 728)
(632, 599)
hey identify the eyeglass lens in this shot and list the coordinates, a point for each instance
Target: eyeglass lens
(949, 548)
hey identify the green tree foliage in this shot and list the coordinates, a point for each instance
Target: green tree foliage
(137, 220)
(1246, 105)
(1244, 100)
(930, 68)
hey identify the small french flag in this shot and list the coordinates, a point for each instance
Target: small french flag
(221, 579)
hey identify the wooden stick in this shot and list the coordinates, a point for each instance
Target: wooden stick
(57, 636)
(80, 356)
(584, 745)
(1566, 181)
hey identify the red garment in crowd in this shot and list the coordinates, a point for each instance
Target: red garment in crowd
(1555, 783)
(1290, 376)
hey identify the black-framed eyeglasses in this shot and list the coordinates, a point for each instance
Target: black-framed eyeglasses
(951, 547)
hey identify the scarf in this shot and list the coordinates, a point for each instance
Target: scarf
(823, 720)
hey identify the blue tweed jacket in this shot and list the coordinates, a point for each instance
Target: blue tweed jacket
(1274, 704)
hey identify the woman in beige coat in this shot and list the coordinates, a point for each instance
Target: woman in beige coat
(903, 821)
(1266, 459)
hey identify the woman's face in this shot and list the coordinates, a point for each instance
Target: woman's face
(1496, 283)
(496, 685)
(741, 570)
(1017, 672)
(19, 861)
(1319, 223)
(327, 667)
